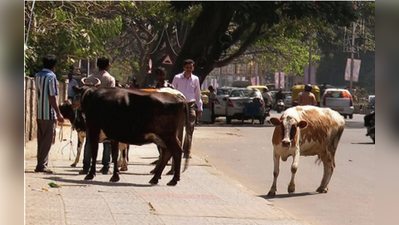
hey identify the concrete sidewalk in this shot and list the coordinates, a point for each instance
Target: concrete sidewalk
(203, 195)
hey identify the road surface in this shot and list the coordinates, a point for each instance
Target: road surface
(244, 153)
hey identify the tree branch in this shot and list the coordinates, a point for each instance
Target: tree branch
(242, 48)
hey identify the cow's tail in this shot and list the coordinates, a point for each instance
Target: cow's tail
(187, 136)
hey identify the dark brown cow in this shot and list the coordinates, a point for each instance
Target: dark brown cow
(138, 118)
(74, 115)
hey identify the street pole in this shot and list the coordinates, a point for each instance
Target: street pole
(279, 73)
(310, 58)
(352, 56)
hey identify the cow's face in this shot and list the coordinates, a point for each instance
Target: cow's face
(287, 130)
(67, 110)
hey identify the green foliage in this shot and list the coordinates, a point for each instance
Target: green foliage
(71, 30)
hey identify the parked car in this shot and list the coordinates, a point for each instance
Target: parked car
(221, 100)
(237, 100)
(340, 100)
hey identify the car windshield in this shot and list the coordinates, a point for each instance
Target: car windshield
(243, 93)
(336, 94)
(223, 91)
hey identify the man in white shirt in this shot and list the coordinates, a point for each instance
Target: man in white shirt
(106, 81)
(189, 84)
(71, 83)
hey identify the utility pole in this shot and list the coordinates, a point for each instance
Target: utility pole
(279, 72)
(310, 58)
(352, 56)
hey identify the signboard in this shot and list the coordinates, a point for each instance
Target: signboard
(356, 69)
(167, 61)
(312, 78)
(282, 74)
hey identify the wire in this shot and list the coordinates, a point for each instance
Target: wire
(167, 36)
(160, 39)
(138, 37)
(177, 38)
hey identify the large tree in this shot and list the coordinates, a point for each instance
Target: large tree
(221, 26)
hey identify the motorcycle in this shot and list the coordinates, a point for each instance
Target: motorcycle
(280, 106)
(369, 123)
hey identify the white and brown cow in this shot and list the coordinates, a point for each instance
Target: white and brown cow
(306, 131)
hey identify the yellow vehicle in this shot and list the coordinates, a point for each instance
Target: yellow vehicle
(296, 89)
(262, 88)
(205, 96)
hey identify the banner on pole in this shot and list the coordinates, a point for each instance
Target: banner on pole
(276, 84)
(312, 78)
(356, 70)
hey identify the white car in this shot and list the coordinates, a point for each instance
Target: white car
(221, 100)
(340, 100)
(237, 101)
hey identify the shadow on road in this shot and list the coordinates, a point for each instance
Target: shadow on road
(363, 143)
(289, 195)
(93, 182)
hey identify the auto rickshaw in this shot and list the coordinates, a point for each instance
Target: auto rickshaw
(296, 89)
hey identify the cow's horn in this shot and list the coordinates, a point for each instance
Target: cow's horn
(98, 82)
(83, 80)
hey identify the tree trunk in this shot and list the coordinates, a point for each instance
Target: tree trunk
(201, 44)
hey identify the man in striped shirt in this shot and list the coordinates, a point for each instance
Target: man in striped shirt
(47, 111)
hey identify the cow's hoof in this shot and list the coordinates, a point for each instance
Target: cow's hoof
(152, 171)
(89, 177)
(154, 181)
(114, 178)
(172, 183)
(73, 165)
(322, 190)
(271, 194)
(171, 172)
(123, 169)
(291, 188)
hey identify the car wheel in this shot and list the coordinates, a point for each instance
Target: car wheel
(345, 116)
(228, 119)
(351, 116)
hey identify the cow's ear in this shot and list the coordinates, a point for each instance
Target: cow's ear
(302, 124)
(275, 121)
(77, 89)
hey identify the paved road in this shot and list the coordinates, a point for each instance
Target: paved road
(244, 153)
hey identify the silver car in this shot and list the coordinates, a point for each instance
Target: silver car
(238, 99)
(340, 100)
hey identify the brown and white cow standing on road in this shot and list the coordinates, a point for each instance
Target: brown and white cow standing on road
(306, 131)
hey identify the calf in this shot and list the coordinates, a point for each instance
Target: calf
(306, 131)
(136, 117)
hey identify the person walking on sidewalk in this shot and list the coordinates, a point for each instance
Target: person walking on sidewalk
(161, 79)
(47, 111)
(106, 81)
(212, 99)
(189, 84)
